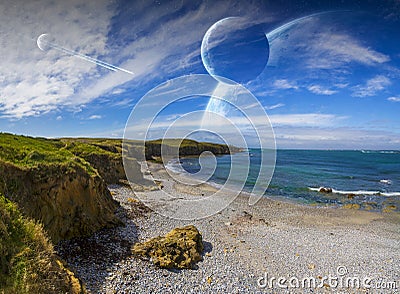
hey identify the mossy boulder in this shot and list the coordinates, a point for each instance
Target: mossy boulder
(181, 248)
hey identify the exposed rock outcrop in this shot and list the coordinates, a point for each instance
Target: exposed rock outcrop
(66, 198)
(106, 159)
(110, 168)
(180, 248)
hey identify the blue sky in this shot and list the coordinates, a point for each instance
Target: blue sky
(331, 80)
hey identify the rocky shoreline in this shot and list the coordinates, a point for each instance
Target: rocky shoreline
(241, 245)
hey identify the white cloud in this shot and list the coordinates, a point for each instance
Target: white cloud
(316, 89)
(341, 85)
(95, 116)
(255, 104)
(334, 50)
(284, 84)
(221, 123)
(319, 43)
(334, 138)
(274, 106)
(164, 51)
(319, 137)
(41, 82)
(117, 91)
(59, 117)
(394, 99)
(372, 86)
(307, 119)
(34, 82)
(122, 103)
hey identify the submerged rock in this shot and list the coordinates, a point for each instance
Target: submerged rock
(180, 248)
(352, 206)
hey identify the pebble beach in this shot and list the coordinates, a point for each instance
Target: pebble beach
(271, 247)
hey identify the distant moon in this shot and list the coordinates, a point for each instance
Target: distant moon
(41, 43)
(236, 49)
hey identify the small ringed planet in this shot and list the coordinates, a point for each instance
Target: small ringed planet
(235, 49)
(41, 43)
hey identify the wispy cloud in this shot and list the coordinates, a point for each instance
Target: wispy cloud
(274, 106)
(316, 46)
(307, 119)
(43, 81)
(95, 116)
(316, 89)
(161, 53)
(372, 86)
(284, 84)
(335, 137)
(333, 50)
(394, 99)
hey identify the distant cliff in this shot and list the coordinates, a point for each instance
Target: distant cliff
(186, 148)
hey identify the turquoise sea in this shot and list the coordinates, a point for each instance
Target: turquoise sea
(369, 178)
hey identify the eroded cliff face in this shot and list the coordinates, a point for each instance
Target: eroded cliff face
(67, 199)
(110, 168)
(106, 158)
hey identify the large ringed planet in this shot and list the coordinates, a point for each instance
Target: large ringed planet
(236, 49)
(239, 50)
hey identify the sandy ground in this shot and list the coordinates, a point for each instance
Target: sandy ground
(271, 247)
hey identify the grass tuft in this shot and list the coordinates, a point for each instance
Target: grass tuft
(27, 260)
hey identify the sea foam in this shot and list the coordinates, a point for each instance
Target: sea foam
(360, 192)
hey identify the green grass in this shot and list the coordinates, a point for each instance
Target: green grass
(82, 149)
(27, 260)
(28, 152)
(183, 143)
(95, 144)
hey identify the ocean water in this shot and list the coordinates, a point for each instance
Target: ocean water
(370, 179)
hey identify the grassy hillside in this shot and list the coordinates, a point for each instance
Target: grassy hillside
(27, 260)
(105, 155)
(28, 152)
(54, 185)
